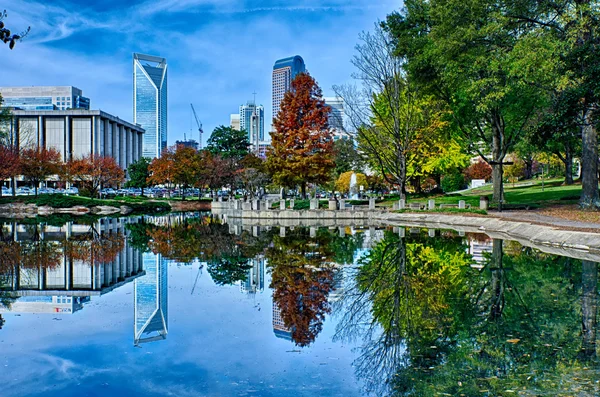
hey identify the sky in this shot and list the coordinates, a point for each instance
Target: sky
(218, 51)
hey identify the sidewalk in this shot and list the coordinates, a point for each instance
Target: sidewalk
(539, 218)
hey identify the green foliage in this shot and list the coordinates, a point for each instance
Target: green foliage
(138, 173)
(453, 182)
(346, 157)
(228, 143)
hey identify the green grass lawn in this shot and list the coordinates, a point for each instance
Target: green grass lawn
(62, 201)
(528, 193)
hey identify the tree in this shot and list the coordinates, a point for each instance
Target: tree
(37, 164)
(9, 163)
(346, 157)
(162, 169)
(342, 184)
(478, 170)
(252, 174)
(301, 149)
(469, 55)
(6, 36)
(138, 174)
(186, 167)
(94, 172)
(228, 142)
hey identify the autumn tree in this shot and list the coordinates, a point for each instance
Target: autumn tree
(139, 173)
(342, 185)
(94, 172)
(37, 164)
(162, 169)
(9, 163)
(301, 149)
(478, 170)
(186, 164)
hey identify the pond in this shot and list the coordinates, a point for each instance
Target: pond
(188, 305)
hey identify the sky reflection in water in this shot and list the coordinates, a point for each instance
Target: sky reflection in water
(186, 305)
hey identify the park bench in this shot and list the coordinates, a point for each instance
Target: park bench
(416, 206)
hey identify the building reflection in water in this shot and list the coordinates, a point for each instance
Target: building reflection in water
(255, 277)
(151, 301)
(87, 261)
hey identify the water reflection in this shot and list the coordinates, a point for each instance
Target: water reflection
(434, 321)
(50, 269)
(432, 312)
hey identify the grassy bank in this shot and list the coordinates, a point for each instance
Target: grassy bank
(62, 201)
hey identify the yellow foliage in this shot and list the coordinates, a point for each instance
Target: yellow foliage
(342, 185)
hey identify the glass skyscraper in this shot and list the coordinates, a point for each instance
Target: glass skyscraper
(252, 120)
(151, 312)
(284, 72)
(150, 102)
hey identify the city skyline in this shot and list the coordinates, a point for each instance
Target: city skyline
(91, 49)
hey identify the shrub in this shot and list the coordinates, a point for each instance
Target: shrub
(478, 170)
(453, 182)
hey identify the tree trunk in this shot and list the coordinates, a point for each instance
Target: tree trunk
(589, 309)
(142, 192)
(304, 190)
(568, 167)
(497, 159)
(497, 282)
(589, 164)
(528, 168)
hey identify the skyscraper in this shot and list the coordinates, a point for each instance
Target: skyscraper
(284, 72)
(234, 121)
(151, 301)
(252, 120)
(336, 116)
(150, 101)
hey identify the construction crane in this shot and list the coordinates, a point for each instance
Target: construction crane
(199, 125)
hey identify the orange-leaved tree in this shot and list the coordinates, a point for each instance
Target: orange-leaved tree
(94, 171)
(301, 149)
(162, 169)
(37, 164)
(9, 163)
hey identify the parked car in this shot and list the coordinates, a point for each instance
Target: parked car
(25, 191)
(6, 191)
(72, 190)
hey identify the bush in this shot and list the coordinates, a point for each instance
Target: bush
(478, 170)
(453, 182)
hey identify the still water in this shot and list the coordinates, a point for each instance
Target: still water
(187, 305)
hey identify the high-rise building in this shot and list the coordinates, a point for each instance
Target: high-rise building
(44, 98)
(151, 301)
(252, 120)
(336, 116)
(284, 72)
(188, 143)
(234, 121)
(150, 101)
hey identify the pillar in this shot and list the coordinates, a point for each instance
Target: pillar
(116, 142)
(122, 147)
(107, 147)
(129, 146)
(431, 204)
(68, 139)
(461, 204)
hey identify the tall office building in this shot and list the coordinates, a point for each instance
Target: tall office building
(151, 301)
(150, 102)
(336, 116)
(252, 120)
(234, 121)
(44, 98)
(284, 72)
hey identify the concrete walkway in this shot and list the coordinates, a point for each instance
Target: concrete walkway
(534, 217)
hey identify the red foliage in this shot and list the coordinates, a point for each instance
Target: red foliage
(95, 171)
(37, 164)
(478, 170)
(9, 163)
(301, 146)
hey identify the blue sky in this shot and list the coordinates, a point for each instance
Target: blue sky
(219, 51)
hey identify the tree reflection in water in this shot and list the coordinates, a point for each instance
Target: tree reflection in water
(431, 324)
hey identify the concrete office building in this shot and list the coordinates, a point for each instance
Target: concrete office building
(150, 102)
(234, 122)
(78, 133)
(44, 98)
(284, 71)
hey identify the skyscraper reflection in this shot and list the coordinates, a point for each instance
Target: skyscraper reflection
(151, 301)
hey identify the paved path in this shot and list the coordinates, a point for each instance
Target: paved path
(532, 216)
